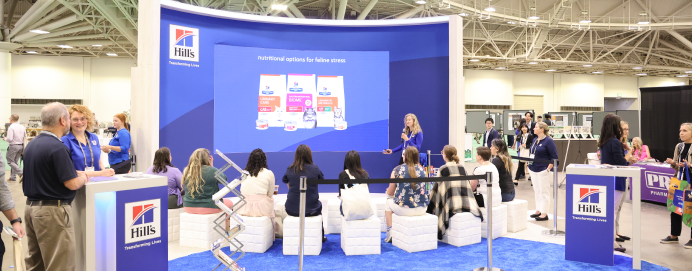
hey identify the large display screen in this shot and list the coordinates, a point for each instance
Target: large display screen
(277, 99)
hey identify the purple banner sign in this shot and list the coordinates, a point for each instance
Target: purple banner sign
(655, 181)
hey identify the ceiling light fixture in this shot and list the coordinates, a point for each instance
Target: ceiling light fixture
(463, 14)
(533, 62)
(490, 9)
(642, 74)
(585, 21)
(279, 7)
(64, 46)
(39, 31)
(474, 60)
(96, 45)
(643, 19)
(597, 72)
(681, 75)
(637, 68)
(421, 2)
(111, 54)
(688, 71)
(588, 65)
(512, 22)
(551, 70)
(534, 17)
(501, 68)
(31, 52)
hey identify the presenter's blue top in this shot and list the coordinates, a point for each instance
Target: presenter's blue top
(312, 195)
(408, 196)
(47, 166)
(612, 153)
(545, 150)
(413, 140)
(84, 155)
(122, 140)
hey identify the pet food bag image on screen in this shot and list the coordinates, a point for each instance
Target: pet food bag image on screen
(300, 101)
(272, 101)
(330, 102)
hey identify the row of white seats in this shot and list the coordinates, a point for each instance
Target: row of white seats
(357, 237)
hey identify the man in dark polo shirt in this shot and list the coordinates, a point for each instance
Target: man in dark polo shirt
(49, 184)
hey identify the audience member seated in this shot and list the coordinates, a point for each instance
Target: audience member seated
(352, 170)
(406, 199)
(200, 184)
(163, 167)
(449, 198)
(639, 150)
(303, 166)
(503, 162)
(258, 188)
(481, 187)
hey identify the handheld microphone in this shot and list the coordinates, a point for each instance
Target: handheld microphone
(403, 131)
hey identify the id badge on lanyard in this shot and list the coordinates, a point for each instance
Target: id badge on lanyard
(532, 154)
(89, 169)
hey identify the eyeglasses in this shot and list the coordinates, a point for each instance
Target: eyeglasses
(79, 120)
(626, 129)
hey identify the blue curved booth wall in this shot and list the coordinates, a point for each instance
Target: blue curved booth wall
(419, 84)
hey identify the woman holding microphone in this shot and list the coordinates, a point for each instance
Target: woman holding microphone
(84, 146)
(412, 135)
(542, 148)
(118, 149)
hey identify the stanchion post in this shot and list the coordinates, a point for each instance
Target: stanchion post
(429, 164)
(489, 228)
(554, 231)
(303, 189)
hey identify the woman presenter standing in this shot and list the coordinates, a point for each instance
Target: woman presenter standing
(412, 135)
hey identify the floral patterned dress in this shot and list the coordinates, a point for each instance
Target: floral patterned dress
(407, 196)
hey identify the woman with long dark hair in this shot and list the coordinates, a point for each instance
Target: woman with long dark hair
(163, 167)
(258, 187)
(352, 170)
(613, 153)
(303, 166)
(503, 162)
(406, 199)
(524, 140)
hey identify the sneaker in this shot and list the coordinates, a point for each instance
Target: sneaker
(688, 245)
(388, 238)
(669, 240)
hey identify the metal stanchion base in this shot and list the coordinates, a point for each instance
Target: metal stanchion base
(487, 269)
(553, 233)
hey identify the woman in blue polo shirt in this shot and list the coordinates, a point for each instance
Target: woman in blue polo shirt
(84, 146)
(119, 148)
(542, 148)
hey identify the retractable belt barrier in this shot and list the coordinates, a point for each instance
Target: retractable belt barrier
(304, 182)
(555, 162)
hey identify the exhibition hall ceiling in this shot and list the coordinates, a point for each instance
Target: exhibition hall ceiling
(620, 37)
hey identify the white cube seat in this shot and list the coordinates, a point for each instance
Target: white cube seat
(499, 222)
(516, 215)
(361, 237)
(312, 238)
(333, 217)
(197, 230)
(378, 205)
(464, 229)
(258, 235)
(174, 224)
(414, 233)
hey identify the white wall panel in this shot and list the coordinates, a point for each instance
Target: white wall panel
(47, 77)
(582, 90)
(626, 85)
(489, 87)
(649, 82)
(110, 86)
(533, 83)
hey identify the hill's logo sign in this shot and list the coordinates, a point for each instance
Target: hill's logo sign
(184, 43)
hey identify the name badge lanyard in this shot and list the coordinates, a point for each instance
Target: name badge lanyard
(91, 151)
(533, 149)
(403, 151)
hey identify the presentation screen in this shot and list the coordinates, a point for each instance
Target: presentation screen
(278, 99)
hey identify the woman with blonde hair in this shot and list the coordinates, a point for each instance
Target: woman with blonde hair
(639, 150)
(84, 146)
(118, 149)
(200, 184)
(412, 135)
(682, 156)
(542, 149)
(406, 199)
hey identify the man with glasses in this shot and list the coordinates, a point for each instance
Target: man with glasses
(16, 134)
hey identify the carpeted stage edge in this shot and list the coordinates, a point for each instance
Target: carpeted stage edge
(508, 254)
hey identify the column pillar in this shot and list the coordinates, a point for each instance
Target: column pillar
(6, 80)
(457, 101)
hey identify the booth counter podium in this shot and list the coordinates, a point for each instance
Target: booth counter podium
(122, 223)
(590, 224)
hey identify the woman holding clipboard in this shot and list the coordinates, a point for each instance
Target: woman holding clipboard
(412, 135)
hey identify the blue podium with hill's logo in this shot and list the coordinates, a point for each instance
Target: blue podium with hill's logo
(122, 224)
(590, 214)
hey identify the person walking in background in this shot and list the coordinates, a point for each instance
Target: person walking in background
(258, 188)
(83, 145)
(50, 185)
(163, 167)
(412, 135)
(613, 153)
(681, 156)
(524, 141)
(543, 148)
(528, 116)
(303, 166)
(16, 134)
(548, 119)
(503, 162)
(118, 149)
(406, 199)
(490, 133)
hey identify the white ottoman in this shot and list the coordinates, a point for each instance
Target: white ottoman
(464, 229)
(174, 224)
(198, 230)
(325, 211)
(414, 233)
(258, 235)
(361, 237)
(516, 215)
(312, 238)
(499, 222)
(378, 207)
(333, 217)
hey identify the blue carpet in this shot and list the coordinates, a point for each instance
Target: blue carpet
(508, 254)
